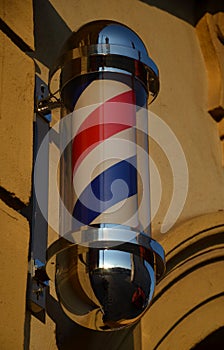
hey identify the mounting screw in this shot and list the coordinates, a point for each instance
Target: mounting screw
(38, 292)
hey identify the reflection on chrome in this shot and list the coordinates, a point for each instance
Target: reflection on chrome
(123, 284)
(114, 258)
(109, 47)
(105, 289)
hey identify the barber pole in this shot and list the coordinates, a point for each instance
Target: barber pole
(105, 264)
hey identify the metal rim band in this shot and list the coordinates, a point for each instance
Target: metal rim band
(73, 64)
(108, 237)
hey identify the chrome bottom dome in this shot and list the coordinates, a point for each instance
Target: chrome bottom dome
(107, 287)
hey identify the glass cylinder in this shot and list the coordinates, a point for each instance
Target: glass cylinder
(105, 166)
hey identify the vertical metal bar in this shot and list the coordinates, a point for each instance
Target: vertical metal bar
(39, 228)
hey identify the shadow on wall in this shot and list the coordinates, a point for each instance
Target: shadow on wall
(70, 335)
(190, 11)
(185, 10)
(212, 341)
(50, 32)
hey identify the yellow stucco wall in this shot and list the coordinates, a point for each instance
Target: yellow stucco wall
(16, 134)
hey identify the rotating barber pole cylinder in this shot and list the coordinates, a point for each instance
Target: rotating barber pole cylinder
(106, 157)
(107, 264)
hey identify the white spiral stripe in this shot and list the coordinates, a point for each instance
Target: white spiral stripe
(100, 91)
(112, 148)
(123, 208)
(95, 100)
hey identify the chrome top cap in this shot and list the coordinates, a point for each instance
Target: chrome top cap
(111, 38)
(108, 46)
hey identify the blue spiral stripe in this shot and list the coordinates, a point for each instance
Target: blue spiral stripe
(98, 194)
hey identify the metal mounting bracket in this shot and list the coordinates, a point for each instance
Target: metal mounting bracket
(37, 277)
(44, 101)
